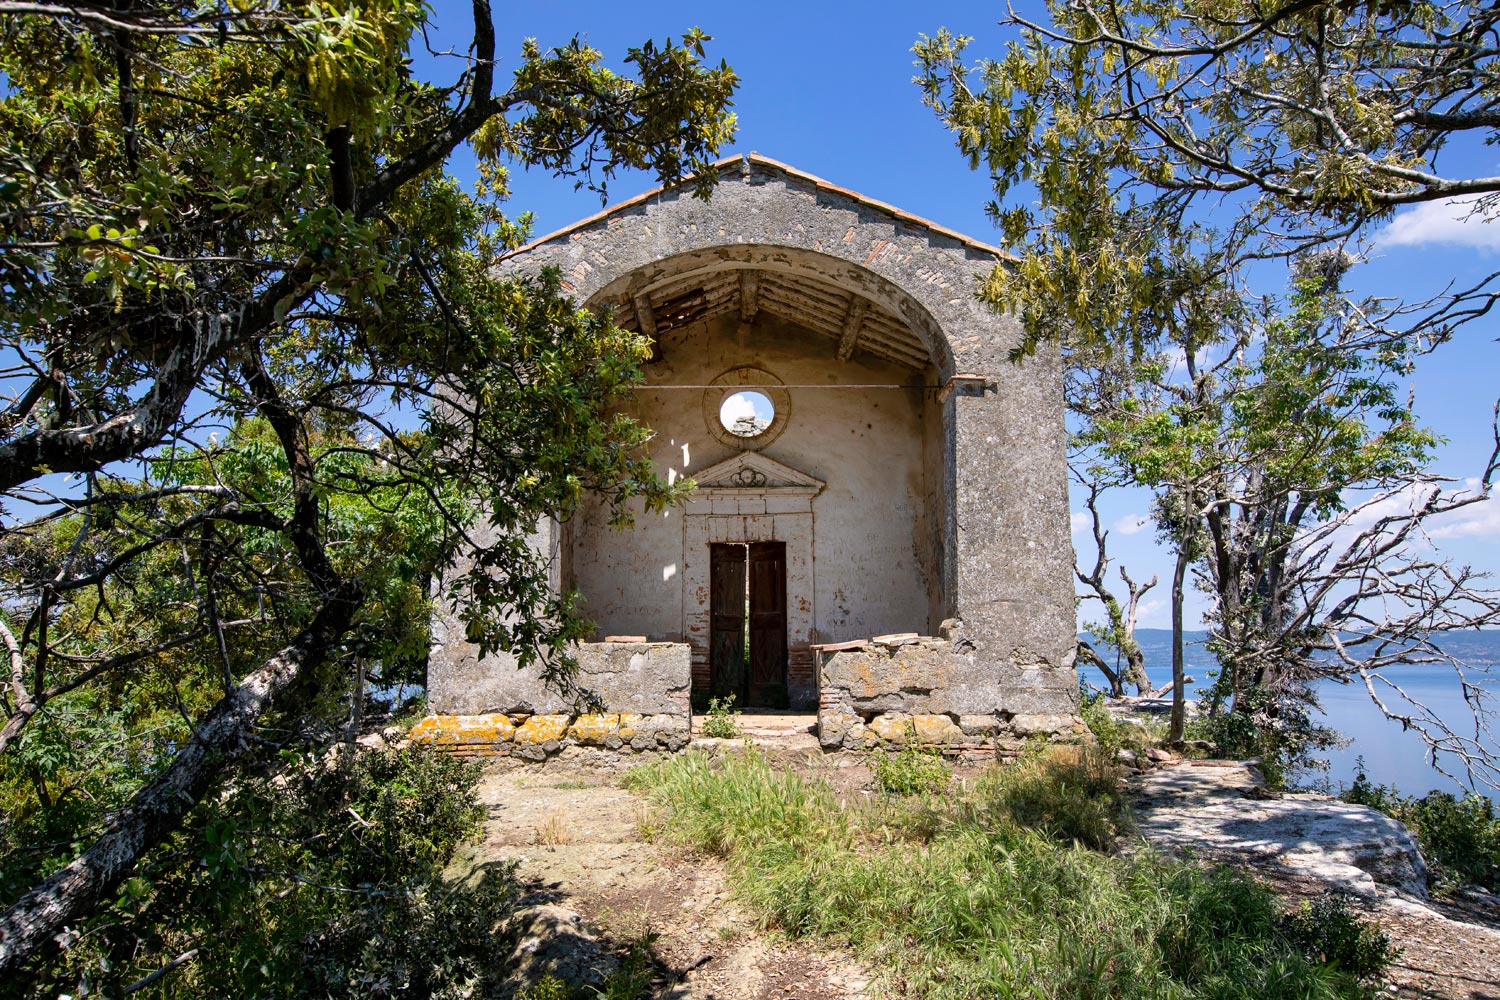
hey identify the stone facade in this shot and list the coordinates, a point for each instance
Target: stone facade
(645, 678)
(912, 472)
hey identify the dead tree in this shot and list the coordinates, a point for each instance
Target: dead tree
(1119, 630)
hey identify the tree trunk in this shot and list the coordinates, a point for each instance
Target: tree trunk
(34, 922)
(1088, 654)
(1135, 670)
(1178, 724)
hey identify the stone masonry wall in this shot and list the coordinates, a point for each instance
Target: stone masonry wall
(537, 737)
(907, 689)
(641, 687)
(992, 446)
(647, 678)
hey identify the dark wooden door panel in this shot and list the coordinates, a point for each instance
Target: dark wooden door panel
(768, 657)
(727, 614)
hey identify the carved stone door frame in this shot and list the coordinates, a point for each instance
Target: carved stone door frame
(746, 499)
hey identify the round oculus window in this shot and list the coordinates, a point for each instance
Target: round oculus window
(747, 413)
(746, 408)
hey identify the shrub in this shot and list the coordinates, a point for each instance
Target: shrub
(1327, 928)
(911, 771)
(1460, 838)
(1279, 730)
(1000, 901)
(318, 872)
(721, 723)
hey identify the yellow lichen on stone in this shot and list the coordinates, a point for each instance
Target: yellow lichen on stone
(628, 722)
(430, 730)
(540, 728)
(936, 729)
(462, 730)
(592, 728)
(892, 727)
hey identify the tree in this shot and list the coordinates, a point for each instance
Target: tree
(217, 213)
(1293, 125)
(1169, 148)
(1118, 627)
(1266, 445)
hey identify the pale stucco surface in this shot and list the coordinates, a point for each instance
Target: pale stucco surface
(870, 527)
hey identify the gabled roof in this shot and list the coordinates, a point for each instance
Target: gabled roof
(755, 160)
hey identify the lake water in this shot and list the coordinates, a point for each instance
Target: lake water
(1391, 756)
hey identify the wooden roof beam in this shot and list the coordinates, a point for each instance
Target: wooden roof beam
(749, 294)
(852, 321)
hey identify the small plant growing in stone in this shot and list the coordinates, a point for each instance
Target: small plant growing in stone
(721, 723)
(552, 832)
(632, 978)
(547, 988)
(912, 771)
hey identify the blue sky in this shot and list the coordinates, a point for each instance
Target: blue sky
(827, 88)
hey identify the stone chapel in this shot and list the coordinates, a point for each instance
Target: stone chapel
(880, 529)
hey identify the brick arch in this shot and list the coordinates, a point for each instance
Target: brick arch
(794, 264)
(766, 215)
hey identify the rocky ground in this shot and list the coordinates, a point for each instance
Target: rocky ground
(1305, 844)
(574, 832)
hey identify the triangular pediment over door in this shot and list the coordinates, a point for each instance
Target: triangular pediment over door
(749, 473)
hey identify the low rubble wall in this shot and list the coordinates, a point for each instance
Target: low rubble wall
(909, 689)
(537, 737)
(642, 688)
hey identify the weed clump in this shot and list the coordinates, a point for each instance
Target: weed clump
(911, 771)
(1067, 801)
(1327, 928)
(722, 721)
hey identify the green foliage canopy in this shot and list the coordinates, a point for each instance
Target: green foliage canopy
(1283, 126)
(263, 333)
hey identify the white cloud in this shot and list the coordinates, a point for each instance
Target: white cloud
(1152, 610)
(1131, 524)
(1452, 221)
(1079, 521)
(1478, 520)
(739, 406)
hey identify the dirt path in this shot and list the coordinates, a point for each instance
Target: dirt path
(573, 830)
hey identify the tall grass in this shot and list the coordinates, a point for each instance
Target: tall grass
(1001, 891)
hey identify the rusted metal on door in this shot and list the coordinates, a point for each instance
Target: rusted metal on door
(767, 606)
(727, 674)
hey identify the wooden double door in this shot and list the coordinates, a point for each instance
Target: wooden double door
(747, 606)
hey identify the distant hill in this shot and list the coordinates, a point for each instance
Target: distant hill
(1477, 648)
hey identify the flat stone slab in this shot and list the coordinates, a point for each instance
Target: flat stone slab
(1217, 806)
